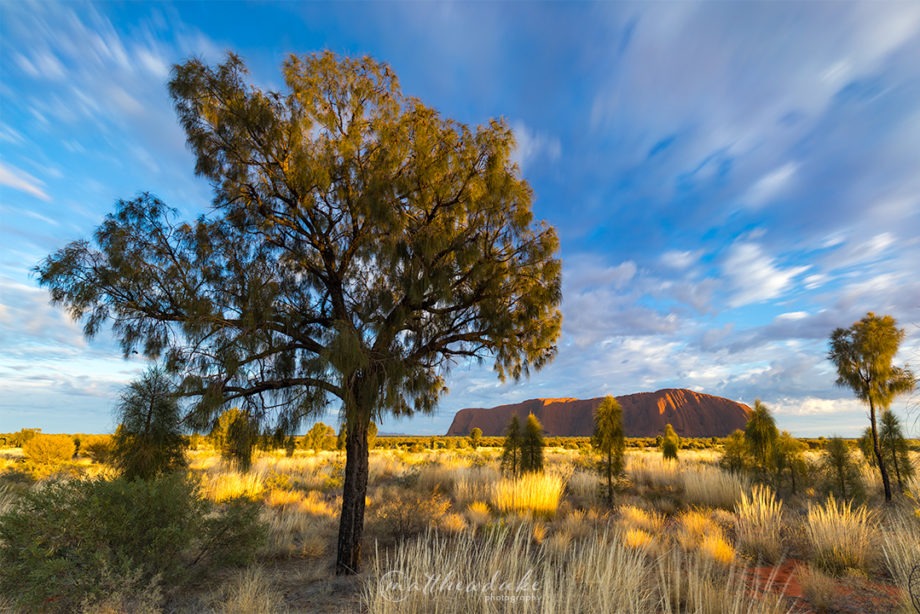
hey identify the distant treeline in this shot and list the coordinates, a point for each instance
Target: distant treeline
(442, 442)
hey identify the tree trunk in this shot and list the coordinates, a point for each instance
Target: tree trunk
(878, 452)
(351, 522)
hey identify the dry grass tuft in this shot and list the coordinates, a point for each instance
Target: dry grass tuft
(901, 547)
(535, 493)
(840, 535)
(709, 486)
(820, 589)
(634, 517)
(223, 484)
(249, 592)
(698, 532)
(759, 522)
(473, 484)
(478, 513)
(652, 471)
(637, 538)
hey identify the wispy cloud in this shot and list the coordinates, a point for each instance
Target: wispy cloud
(18, 179)
(755, 276)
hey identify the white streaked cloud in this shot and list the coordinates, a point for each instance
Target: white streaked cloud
(18, 179)
(755, 276)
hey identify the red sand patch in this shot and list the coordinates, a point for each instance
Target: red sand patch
(856, 595)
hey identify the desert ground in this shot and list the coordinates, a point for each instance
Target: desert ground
(446, 531)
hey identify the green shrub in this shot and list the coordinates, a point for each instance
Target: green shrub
(70, 544)
(670, 443)
(235, 436)
(532, 446)
(49, 449)
(320, 437)
(841, 472)
(148, 440)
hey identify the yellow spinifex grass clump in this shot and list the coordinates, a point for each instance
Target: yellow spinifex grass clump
(637, 538)
(537, 493)
(841, 536)
(635, 517)
(758, 523)
(697, 532)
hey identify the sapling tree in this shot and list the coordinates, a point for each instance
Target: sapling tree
(532, 446)
(761, 435)
(511, 448)
(670, 443)
(609, 441)
(475, 437)
(148, 440)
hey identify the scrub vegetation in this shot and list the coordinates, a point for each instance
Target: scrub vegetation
(681, 536)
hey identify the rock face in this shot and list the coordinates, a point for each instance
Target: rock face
(645, 414)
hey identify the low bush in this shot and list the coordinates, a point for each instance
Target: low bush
(49, 449)
(71, 544)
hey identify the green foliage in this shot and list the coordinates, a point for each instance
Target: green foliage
(789, 459)
(735, 453)
(320, 437)
(511, 450)
(148, 441)
(609, 441)
(476, 437)
(49, 449)
(235, 435)
(761, 435)
(670, 443)
(894, 449)
(71, 543)
(840, 470)
(863, 355)
(532, 446)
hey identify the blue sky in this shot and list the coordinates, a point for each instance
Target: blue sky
(730, 181)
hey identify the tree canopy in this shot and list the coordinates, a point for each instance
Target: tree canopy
(359, 245)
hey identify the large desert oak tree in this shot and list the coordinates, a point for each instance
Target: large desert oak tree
(359, 244)
(863, 355)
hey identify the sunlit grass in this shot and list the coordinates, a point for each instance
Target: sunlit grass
(248, 592)
(841, 536)
(536, 493)
(901, 547)
(759, 522)
(227, 484)
(698, 532)
(711, 486)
